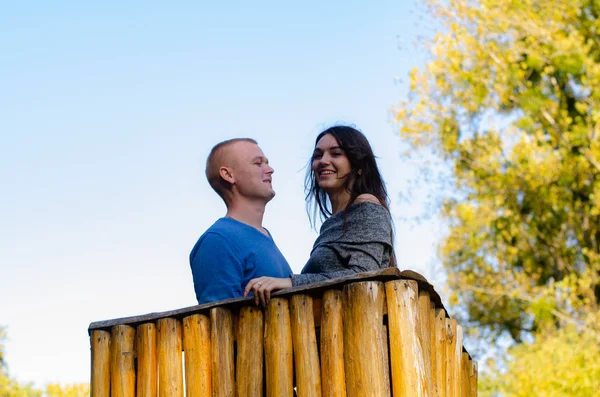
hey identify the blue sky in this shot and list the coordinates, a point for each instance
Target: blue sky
(107, 115)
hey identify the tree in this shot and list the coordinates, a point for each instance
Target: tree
(565, 363)
(509, 106)
(509, 109)
(73, 390)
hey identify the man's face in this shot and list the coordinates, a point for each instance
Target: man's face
(253, 175)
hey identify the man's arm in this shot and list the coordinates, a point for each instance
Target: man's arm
(217, 269)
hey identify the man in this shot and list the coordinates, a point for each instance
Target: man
(237, 248)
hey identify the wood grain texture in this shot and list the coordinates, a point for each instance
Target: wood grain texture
(441, 339)
(451, 369)
(122, 361)
(304, 339)
(425, 337)
(278, 349)
(458, 360)
(332, 345)
(196, 346)
(450, 325)
(433, 352)
(363, 352)
(170, 346)
(221, 338)
(147, 370)
(249, 368)
(100, 377)
(465, 368)
(408, 369)
(473, 379)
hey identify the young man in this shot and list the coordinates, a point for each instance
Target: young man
(237, 248)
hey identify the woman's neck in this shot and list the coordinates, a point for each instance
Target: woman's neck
(338, 201)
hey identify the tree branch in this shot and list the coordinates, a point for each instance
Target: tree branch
(583, 151)
(526, 298)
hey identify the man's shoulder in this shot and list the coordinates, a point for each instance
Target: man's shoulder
(220, 231)
(231, 233)
(229, 228)
(220, 226)
(217, 240)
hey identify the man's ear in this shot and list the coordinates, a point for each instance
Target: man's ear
(226, 174)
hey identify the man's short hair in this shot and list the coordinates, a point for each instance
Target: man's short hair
(215, 160)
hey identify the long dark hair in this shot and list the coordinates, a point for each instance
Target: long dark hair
(364, 175)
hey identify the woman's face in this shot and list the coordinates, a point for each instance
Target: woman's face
(330, 165)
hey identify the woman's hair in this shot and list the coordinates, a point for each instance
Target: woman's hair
(364, 175)
(358, 150)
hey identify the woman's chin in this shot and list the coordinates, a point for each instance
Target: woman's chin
(330, 189)
(324, 187)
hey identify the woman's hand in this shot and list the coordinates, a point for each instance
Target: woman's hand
(263, 286)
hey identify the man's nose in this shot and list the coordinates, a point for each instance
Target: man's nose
(270, 169)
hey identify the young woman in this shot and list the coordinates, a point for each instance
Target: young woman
(344, 185)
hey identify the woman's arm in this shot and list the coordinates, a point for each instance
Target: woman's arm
(362, 256)
(359, 261)
(365, 245)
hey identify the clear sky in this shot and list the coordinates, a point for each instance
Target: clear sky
(107, 113)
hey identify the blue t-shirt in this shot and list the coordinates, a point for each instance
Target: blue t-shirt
(230, 254)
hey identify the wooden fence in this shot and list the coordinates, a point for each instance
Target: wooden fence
(374, 334)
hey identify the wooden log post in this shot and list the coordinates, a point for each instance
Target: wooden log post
(221, 338)
(450, 325)
(122, 357)
(170, 346)
(408, 369)
(100, 377)
(249, 368)
(278, 349)
(433, 353)
(465, 387)
(458, 360)
(332, 345)
(425, 337)
(304, 339)
(196, 345)
(363, 355)
(441, 339)
(473, 379)
(147, 376)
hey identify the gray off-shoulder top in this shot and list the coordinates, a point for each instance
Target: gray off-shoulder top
(363, 244)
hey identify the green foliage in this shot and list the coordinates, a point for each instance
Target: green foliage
(509, 103)
(562, 363)
(73, 390)
(11, 388)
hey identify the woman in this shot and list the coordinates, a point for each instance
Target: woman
(357, 234)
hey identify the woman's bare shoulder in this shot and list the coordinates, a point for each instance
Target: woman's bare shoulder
(367, 198)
